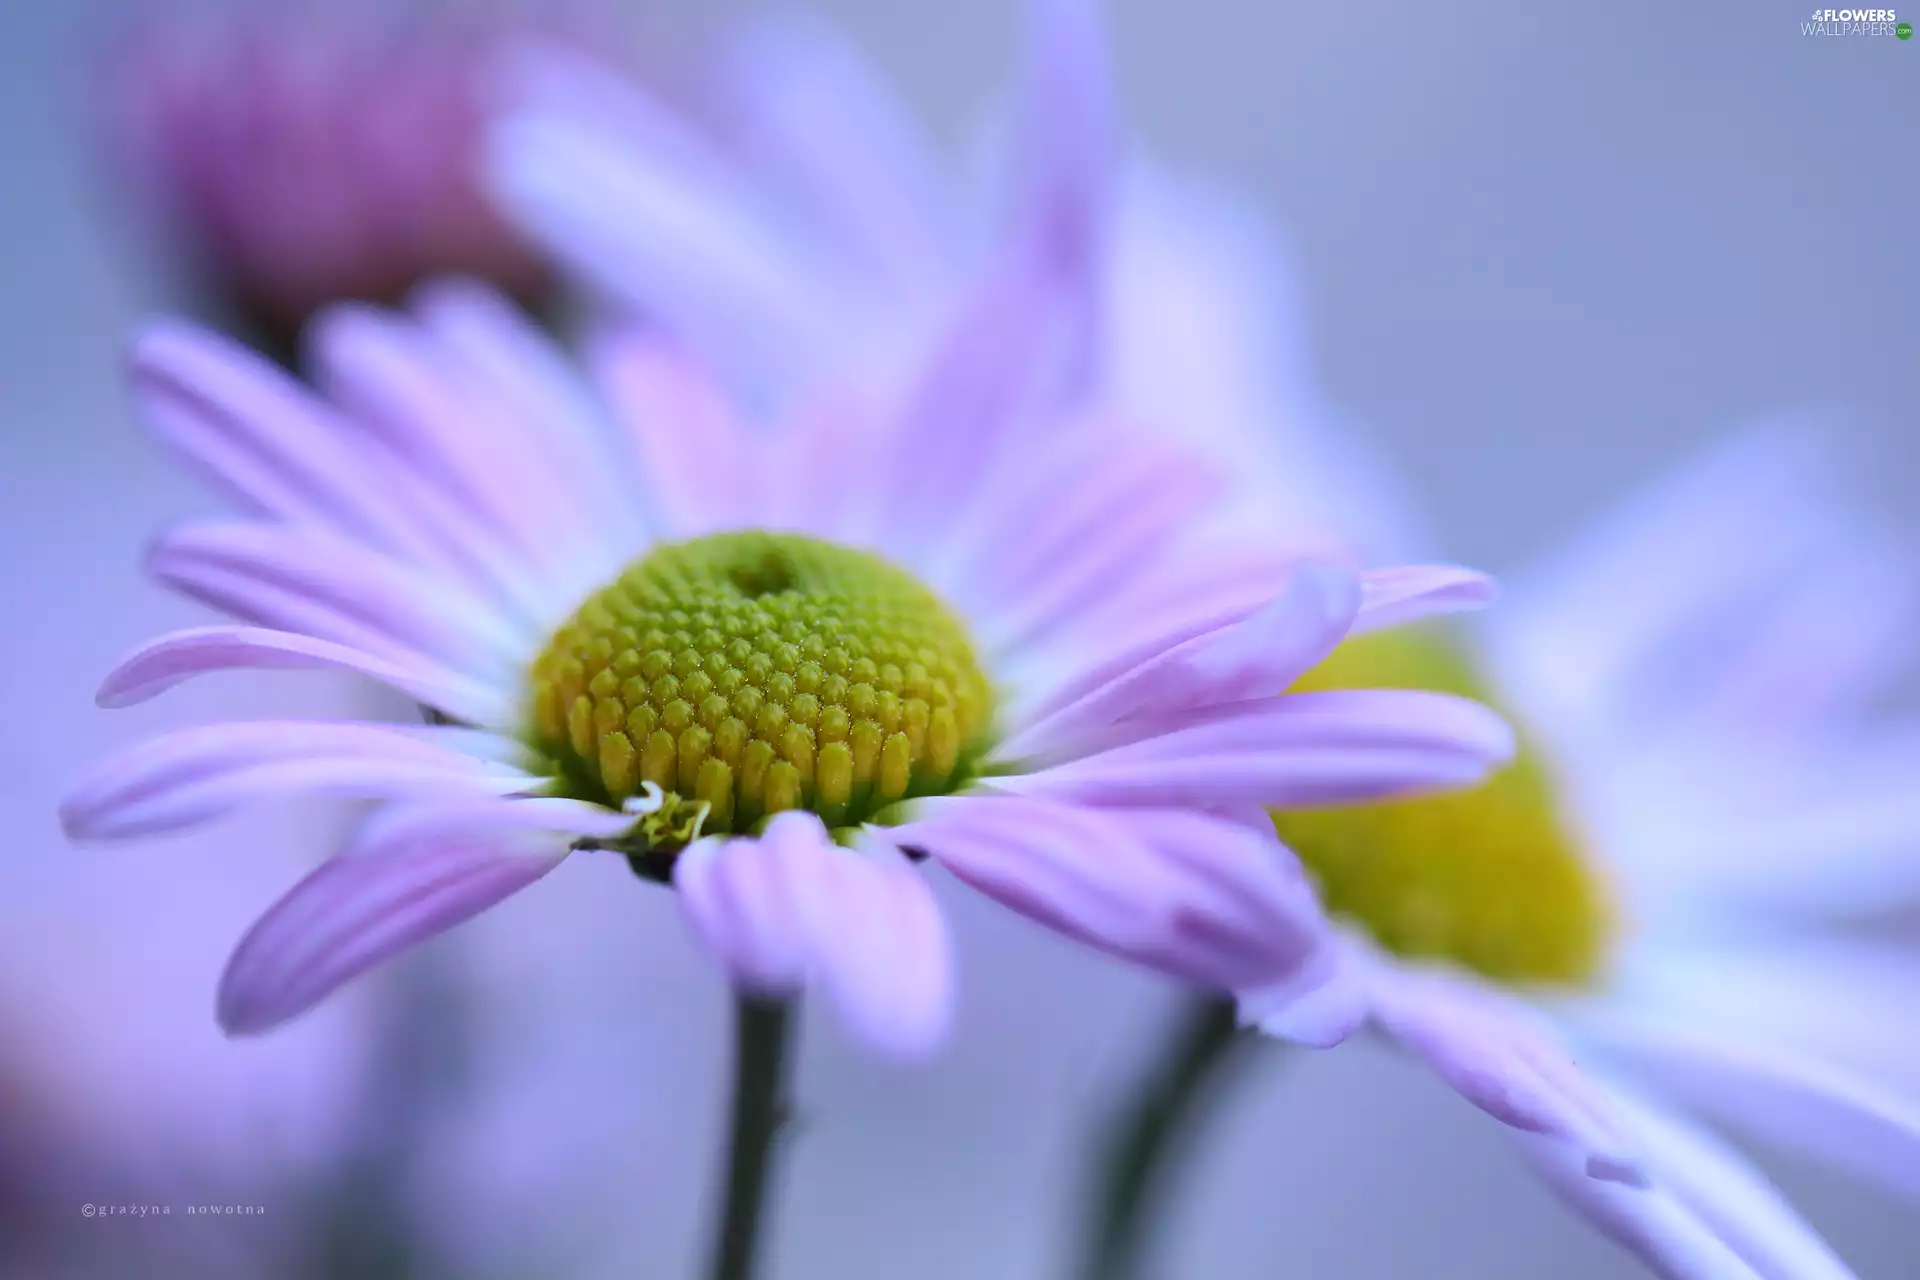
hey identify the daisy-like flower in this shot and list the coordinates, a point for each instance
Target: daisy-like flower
(1701, 796)
(771, 667)
(311, 156)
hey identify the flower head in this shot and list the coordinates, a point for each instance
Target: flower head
(1701, 795)
(311, 156)
(1516, 898)
(774, 666)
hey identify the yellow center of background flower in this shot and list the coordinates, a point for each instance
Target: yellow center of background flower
(747, 673)
(1489, 878)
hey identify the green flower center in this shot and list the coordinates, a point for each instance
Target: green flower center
(747, 673)
(1489, 878)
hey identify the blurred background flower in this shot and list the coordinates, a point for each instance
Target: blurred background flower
(1711, 807)
(281, 158)
(1546, 253)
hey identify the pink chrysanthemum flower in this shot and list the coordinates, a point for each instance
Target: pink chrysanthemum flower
(310, 156)
(1703, 792)
(770, 667)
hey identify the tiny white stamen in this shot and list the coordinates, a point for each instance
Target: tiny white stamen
(648, 801)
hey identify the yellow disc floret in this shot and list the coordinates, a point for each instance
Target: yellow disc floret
(746, 673)
(1489, 878)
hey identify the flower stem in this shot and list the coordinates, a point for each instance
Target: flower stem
(1152, 1130)
(762, 1038)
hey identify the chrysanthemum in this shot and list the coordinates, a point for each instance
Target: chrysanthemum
(772, 667)
(310, 156)
(1662, 883)
(1701, 788)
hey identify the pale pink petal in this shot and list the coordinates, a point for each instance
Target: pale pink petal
(1731, 1197)
(1298, 751)
(1812, 651)
(1786, 1095)
(1222, 582)
(705, 469)
(1169, 601)
(1391, 597)
(1593, 633)
(1000, 362)
(1064, 146)
(502, 352)
(542, 825)
(1069, 525)
(410, 876)
(819, 470)
(1258, 656)
(1319, 1007)
(1838, 995)
(312, 584)
(1264, 655)
(1169, 604)
(792, 909)
(1201, 899)
(392, 377)
(738, 898)
(1204, 335)
(1832, 826)
(262, 438)
(281, 452)
(1649, 1221)
(393, 826)
(881, 950)
(817, 120)
(1498, 1056)
(625, 194)
(1052, 493)
(193, 775)
(160, 664)
(1074, 581)
(1800, 826)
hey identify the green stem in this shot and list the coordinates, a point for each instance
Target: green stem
(1152, 1131)
(762, 1038)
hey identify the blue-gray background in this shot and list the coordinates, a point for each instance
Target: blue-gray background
(1543, 249)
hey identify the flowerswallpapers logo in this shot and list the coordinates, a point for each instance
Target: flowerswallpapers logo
(1856, 22)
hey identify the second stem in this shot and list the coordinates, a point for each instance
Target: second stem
(763, 1032)
(1152, 1132)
